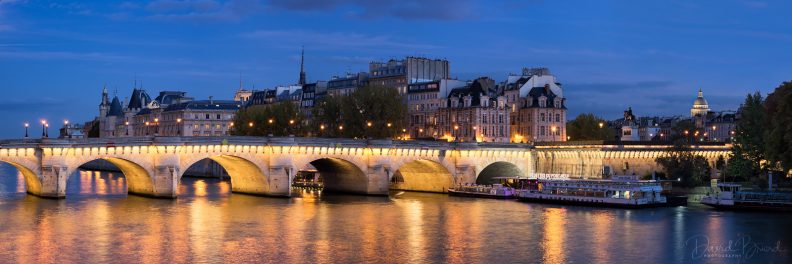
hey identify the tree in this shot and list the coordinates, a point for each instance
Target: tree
(748, 149)
(680, 163)
(369, 112)
(327, 116)
(279, 119)
(589, 127)
(778, 124)
(683, 130)
(94, 131)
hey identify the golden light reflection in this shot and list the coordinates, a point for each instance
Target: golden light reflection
(554, 233)
(20, 186)
(413, 220)
(602, 221)
(199, 188)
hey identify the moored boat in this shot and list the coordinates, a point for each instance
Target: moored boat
(496, 191)
(730, 196)
(606, 193)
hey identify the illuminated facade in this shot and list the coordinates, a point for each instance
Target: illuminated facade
(537, 107)
(475, 113)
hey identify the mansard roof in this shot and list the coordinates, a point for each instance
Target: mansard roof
(228, 105)
(538, 92)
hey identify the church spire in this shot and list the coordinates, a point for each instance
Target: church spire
(302, 66)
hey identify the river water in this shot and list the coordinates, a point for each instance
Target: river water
(99, 223)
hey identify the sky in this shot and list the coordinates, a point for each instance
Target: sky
(653, 56)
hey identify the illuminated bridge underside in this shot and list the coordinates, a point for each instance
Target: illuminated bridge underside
(153, 166)
(138, 179)
(341, 176)
(422, 176)
(500, 169)
(246, 177)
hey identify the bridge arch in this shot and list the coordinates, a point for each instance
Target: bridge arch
(491, 172)
(32, 180)
(246, 176)
(139, 179)
(339, 175)
(422, 175)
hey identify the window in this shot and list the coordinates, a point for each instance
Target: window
(542, 130)
(500, 119)
(218, 116)
(542, 117)
(207, 116)
(558, 118)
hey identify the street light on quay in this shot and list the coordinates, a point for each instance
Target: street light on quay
(43, 128)
(26, 129)
(178, 126)
(601, 124)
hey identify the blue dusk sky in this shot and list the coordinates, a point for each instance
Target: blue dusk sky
(650, 55)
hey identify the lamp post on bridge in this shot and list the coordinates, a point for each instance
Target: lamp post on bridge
(43, 128)
(26, 129)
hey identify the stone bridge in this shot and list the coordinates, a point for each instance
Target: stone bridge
(154, 166)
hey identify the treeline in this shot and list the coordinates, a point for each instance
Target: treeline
(763, 138)
(369, 112)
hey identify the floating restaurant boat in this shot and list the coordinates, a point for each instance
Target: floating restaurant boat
(729, 196)
(625, 191)
(496, 191)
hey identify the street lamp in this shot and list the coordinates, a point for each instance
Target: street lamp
(601, 124)
(270, 126)
(553, 130)
(43, 128)
(178, 126)
(126, 128)
(66, 122)
(26, 129)
(46, 129)
(456, 132)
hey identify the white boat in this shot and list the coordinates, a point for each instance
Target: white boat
(608, 193)
(497, 191)
(730, 196)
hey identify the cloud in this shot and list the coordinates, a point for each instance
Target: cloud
(755, 4)
(84, 56)
(404, 9)
(616, 86)
(333, 40)
(24, 105)
(202, 10)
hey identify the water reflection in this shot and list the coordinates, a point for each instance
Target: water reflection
(98, 223)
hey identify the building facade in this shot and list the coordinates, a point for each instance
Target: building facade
(538, 107)
(339, 86)
(474, 113)
(424, 99)
(400, 73)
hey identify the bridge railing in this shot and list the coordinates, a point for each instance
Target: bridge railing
(255, 141)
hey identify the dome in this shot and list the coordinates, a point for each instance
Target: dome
(700, 101)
